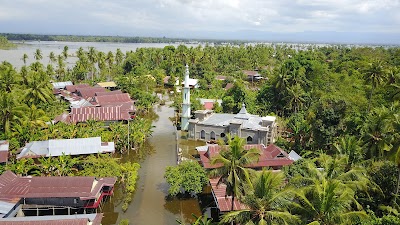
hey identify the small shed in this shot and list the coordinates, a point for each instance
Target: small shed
(4, 146)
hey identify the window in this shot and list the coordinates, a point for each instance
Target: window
(249, 139)
(202, 134)
(212, 135)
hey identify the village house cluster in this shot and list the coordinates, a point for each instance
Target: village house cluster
(65, 200)
(259, 132)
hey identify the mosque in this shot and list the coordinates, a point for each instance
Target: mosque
(209, 126)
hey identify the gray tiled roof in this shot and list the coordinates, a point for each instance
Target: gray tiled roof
(223, 119)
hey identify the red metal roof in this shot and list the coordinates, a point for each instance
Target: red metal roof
(250, 72)
(224, 203)
(116, 98)
(108, 93)
(271, 156)
(107, 113)
(89, 92)
(72, 88)
(13, 186)
(228, 86)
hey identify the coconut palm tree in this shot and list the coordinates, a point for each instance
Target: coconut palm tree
(119, 56)
(60, 66)
(375, 75)
(52, 57)
(8, 77)
(326, 193)
(267, 202)
(92, 57)
(24, 58)
(65, 52)
(38, 90)
(24, 75)
(349, 146)
(38, 55)
(233, 159)
(10, 110)
(295, 98)
(376, 133)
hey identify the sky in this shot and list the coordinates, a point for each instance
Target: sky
(347, 21)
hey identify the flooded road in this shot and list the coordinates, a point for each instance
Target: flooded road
(149, 204)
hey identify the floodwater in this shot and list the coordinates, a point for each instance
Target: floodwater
(150, 204)
(14, 56)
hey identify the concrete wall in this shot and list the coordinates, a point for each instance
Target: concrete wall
(195, 130)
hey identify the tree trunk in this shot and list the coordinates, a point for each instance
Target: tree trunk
(398, 184)
(370, 99)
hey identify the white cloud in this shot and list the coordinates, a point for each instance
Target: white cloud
(204, 15)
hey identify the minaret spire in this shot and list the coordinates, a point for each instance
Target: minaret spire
(186, 102)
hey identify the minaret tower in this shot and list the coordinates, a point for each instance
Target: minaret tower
(186, 102)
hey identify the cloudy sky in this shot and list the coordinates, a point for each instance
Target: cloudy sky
(375, 21)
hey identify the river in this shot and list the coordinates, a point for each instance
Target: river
(14, 56)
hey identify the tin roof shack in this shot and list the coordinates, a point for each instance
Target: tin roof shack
(252, 76)
(61, 85)
(4, 145)
(271, 156)
(110, 85)
(58, 86)
(50, 192)
(77, 219)
(57, 147)
(117, 112)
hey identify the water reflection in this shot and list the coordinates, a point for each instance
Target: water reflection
(150, 204)
(183, 208)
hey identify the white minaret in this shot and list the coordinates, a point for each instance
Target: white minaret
(186, 102)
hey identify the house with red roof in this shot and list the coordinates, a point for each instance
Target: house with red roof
(29, 194)
(271, 157)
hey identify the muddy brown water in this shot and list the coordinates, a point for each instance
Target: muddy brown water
(150, 204)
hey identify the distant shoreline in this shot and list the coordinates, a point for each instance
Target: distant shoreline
(114, 39)
(139, 39)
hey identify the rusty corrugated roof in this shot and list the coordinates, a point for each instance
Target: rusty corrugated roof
(13, 186)
(72, 88)
(111, 113)
(116, 98)
(108, 93)
(89, 92)
(224, 202)
(271, 156)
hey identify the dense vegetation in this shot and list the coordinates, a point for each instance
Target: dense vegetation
(121, 39)
(5, 44)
